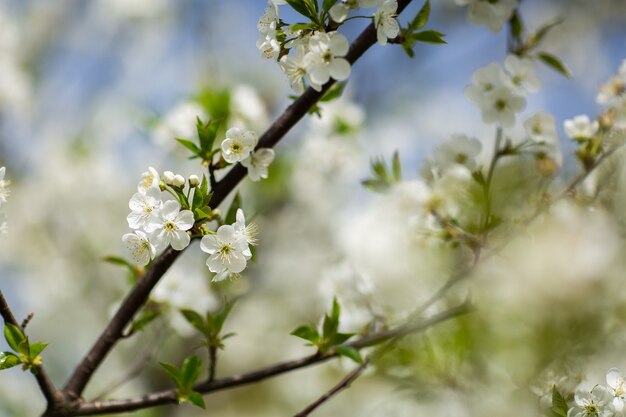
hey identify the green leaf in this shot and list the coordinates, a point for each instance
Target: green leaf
(559, 405)
(206, 134)
(307, 333)
(313, 6)
(421, 18)
(301, 26)
(24, 347)
(429, 36)
(146, 318)
(377, 186)
(8, 360)
(196, 399)
(340, 338)
(301, 7)
(190, 371)
(517, 27)
(537, 37)
(117, 260)
(190, 145)
(349, 352)
(231, 216)
(328, 4)
(333, 92)
(14, 336)
(195, 320)
(217, 319)
(336, 312)
(554, 63)
(172, 371)
(397, 169)
(36, 349)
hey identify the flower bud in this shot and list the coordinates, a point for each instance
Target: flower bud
(168, 177)
(178, 181)
(193, 181)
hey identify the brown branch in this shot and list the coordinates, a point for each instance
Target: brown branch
(340, 386)
(51, 394)
(137, 297)
(169, 396)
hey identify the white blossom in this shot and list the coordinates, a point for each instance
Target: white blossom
(295, 67)
(541, 128)
(168, 177)
(326, 58)
(596, 403)
(258, 163)
(178, 181)
(143, 206)
(500, 106)
(238, 144)
(339, 12)
(4, 187)
(484, 81)
(459, 150)
(193, 180)
(491, 13)
(169, 226)
(617, 388)
(246, 233)
(613, 92)
(581, 128)
(385, 21)
(140, 248)
(227, 252)
(268, 43)
(150, 178)
(521, 73)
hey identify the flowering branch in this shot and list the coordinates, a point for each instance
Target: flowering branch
(48, 389)
(140, 293)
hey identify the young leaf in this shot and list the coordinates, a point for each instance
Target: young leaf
(517, 27)
(333, 92)
(190, 145)
(145, 319)
(554, 63)
(429, 36)
(36, 349)
(397, 169)
(172, 371)
(340, 338)
(336, 311)
(307, 333)
(349, 352)
(206, 134)
(231, 216)
(328, 4)
(195, 320)
(301, 7)
(13, 336)
(543, 31)
(377, 186)
(190, 371)
(421, 18)
(218, 319)
(8, 360)
(196, 399)
(559, 405)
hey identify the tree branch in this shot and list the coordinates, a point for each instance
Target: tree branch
(51, 394)
(169, 396)
(137, 297)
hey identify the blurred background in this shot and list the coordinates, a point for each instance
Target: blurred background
(94, 92)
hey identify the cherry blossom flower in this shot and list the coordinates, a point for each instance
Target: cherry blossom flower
(521, 73)
(4, 184)
(617, 388)
(459, 150)
(140, 248)
(143, 206)
(238, 144)
(491, 13)
(596, 403)
(339, 12)
(150, 178)
(581, 128)
(169, 226)
(295, 67)
(227, 252)
(326, 58)
(541, 128)
(385, 21)
(258, 163)
(247, 234)
(500, 106)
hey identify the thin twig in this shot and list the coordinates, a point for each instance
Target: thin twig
(212, 363)
(27, 320)
(49, 391)
(140, 293)
(169, 396)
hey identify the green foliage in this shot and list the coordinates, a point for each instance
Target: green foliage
(329, 339)
(207, 132)
(327, 4)
(554, 63)
(383, 177)
(307, 8)
(216, 103)
(134, 272)
(210, 326)
(144, 319)
(559, 405)
(412, 33)
(29, 354)
(200, 202)
(185, 379)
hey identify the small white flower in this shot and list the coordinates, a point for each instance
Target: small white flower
(617, 388)
(592, 404)
(270, 16)
(139, 247)
(268, 43)
(385, 21)
(238, 144)
(541, 128)
(613, 92)
(4, 187)
(193, 180)
(326, 58)
(247, 234)
(295, 67)
(143, 206)
(484, 81)
(226, 250)
(168, 177)
(459, 150)
(522, 74)
(150, 178)
(581, 128)
(339, 12)
(169, 226)
(500, 106)
(491, 13)
(258, 162)
(178, 181)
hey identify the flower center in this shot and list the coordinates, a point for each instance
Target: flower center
(461, 158)
(225, 252)
(170, 226)
(327, 56)
(592, 410)
(500, 105)
(235, 147)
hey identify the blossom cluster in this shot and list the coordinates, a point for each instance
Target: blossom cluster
(491, 13)
(499, 92)
(602, 400)
(319, 55)
(613, 94)
(239, 147)
(157, 223)
(4, 193)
